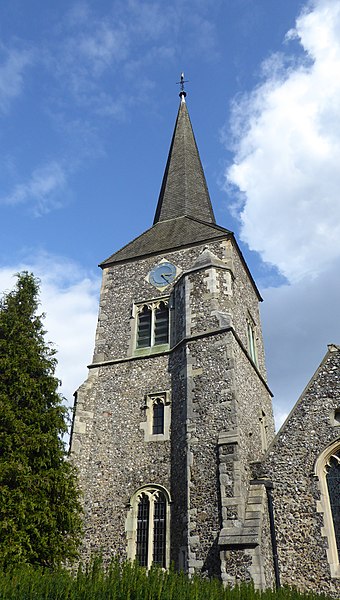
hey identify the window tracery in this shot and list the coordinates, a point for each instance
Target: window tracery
(148, 527)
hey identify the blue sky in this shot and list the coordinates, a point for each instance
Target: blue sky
(88, 100)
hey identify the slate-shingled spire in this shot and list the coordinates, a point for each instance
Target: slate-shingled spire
(184, 190)
(184, 214)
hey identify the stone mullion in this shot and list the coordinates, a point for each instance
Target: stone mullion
(150, 530)
(153, 318)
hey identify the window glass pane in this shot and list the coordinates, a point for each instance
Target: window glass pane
(251, 342)
(158, 417)
(144, 328)
(161, 324)
(333, 483)
(143, 530)
(159, 531)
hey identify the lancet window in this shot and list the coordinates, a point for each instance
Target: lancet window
(158, 416)
(333, 486)
(251, 340)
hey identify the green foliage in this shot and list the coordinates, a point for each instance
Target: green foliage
(126, 581)
(40, 519)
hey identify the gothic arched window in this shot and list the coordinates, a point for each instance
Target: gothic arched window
(333, 485)
(327, 469)
(148, 527)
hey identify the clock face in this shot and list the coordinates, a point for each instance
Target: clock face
(162, 274)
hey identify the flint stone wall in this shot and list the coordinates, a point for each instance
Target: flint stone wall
(213, 387)
(290, 463)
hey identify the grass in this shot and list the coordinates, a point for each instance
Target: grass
(126, 581)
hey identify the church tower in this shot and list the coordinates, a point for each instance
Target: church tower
(176, 407)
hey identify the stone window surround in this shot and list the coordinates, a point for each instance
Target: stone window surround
(136, 308)
(146, 425)
(151, 491)
(323, 506)
(335, 417)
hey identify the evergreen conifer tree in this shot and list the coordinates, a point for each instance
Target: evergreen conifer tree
(40, 511)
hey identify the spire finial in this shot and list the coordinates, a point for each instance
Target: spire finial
(182, 93)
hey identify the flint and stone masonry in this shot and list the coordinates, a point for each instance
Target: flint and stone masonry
(194, 491)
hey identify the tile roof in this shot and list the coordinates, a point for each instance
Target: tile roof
(167, 236)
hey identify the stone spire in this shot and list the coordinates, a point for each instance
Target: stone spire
(184, 191)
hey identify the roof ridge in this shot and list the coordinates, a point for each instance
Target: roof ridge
(214, 225)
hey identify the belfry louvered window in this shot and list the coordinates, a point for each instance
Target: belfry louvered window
(144, 328)
(161, 324)
(152, 324)
(151, 531)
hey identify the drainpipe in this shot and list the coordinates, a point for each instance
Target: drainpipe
(269, 489)
(75, 395)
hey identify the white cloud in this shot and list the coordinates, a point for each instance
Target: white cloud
(287, 141)
(41, 191)
(78, 13)
(287, 179)
(12, 70)
(299, 321)
(93, 50)
(102, 46)
(69, 298)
